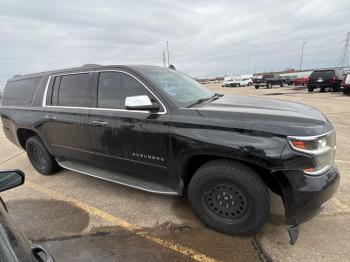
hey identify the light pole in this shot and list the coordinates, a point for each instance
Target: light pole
(167, 48)
(301, 56)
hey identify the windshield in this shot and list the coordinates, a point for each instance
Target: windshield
(182, 89)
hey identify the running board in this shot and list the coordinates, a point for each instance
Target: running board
(118, 178)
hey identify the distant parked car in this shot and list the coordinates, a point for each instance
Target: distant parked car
(228, 81)
(346, 84)
(329, 78)
(269, 80)
(243, 82)
(301, 81)
(289, 80)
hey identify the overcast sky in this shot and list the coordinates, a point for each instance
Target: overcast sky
(203, 35)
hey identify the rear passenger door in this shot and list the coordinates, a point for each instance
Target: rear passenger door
(132, 142)
(66, 111)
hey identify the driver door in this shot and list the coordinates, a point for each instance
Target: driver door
(133, 142)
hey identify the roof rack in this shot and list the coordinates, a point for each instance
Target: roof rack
(90, 65)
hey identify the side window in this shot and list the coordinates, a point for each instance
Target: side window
(20, 92)
(74, 90)
(114, 87)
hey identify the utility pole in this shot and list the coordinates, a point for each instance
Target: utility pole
(302, 54)
(167, 48)
(164, 62)
(248, 64)
(344, 59)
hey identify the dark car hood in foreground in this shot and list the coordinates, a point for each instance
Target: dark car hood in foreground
(269, 115)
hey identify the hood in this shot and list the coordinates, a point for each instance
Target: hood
(268, 115)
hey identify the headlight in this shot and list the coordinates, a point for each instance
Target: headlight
(322, 148)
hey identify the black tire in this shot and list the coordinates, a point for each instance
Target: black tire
(249, 83)
(257, 87)
(238, 84)
(346, 91)
(336, 89)
(39, 157)
(322, 89)
(310, 89)
(238, 194)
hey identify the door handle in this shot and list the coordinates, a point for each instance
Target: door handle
(99, 123)
(50, 117)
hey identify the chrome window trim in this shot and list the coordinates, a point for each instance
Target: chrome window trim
(97, 108)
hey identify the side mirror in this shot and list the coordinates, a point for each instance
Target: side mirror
(10, 179)
(140, 103)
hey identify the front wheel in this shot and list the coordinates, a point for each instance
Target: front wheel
(40, 157)
(257, 87)
(310, 89)
(229, 197)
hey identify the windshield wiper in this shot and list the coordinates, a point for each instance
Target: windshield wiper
(204, 99)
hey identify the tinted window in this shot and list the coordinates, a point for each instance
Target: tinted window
(20, 92)
(74, 90)
(114, 87)
(325, 74)
(182, 89)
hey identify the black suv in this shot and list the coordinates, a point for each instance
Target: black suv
(158, 130)
(329, 78)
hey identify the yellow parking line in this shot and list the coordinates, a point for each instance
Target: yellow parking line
(124, 224)
(340, 203)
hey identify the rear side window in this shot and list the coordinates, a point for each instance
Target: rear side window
(73, 90)
(325, 74)
(114, 87)
(20, 92)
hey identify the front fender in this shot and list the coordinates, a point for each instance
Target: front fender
(259, 149)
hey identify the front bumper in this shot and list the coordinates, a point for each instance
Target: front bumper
(305, 196)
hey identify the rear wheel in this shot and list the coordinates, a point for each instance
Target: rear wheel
(310, 89)
(249, 84)
(257, 87)
(40, 157)
(336, 89)
(229, 197)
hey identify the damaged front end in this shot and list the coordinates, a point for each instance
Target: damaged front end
(309, 180)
